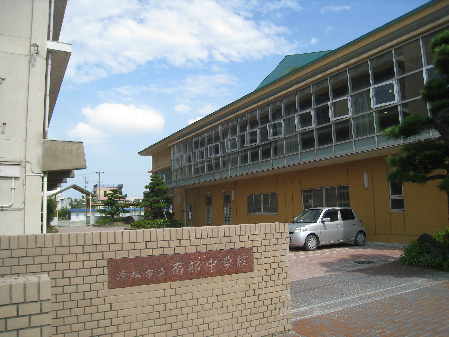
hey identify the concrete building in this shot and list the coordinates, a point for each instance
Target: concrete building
(32, 67)
(103, 190)
(310, 135)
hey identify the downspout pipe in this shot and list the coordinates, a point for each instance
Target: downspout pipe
(12, 196)
(44, 205)
(47, 115)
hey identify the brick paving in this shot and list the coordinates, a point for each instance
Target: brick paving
(364, 291)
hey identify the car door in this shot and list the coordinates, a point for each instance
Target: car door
(350, 224)
(333, 229)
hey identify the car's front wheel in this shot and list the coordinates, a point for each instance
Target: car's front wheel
(311, 242)
(359, 239)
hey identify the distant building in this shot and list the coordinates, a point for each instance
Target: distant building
(80, 214)
(310, 135)
(32, 66)
(103, 190)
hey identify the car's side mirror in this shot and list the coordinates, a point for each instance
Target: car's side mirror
(323, 220)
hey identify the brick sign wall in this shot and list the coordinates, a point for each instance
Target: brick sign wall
(240, 283)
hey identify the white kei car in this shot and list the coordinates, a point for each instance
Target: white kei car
(325, 226)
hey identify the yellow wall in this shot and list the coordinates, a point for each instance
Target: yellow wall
(161, 159)
(425, 206)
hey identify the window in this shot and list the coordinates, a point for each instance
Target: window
(305, 119)
(276, 130)
(278, 148)
(227, 209)
(387, 117)
(339, 85)
(291, 144)
(252, 137)
(305, 99)
(321, 90)
(266, 203)
(359, 76)
(343, 131)
(290, 126)
(408, 57)
(264, 116)
(276, 110)
(347, 214)
(335, 196)
(324, 135)
(290, 104)
(363, 125)
(418, 106)
(322, 115)
(383, 94)
(231, 144)
(224, 130)
(243, 124)
(340, 108)
(233, 128)
(263, 133)
(382, 68)
(396, 197)
(308, 140)
(252, 120)
(254, 154)
(243, 158)
(411, 85)
(361, 102)
(209, 211)
(265, 151)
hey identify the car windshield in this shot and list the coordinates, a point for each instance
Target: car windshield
(308, 215)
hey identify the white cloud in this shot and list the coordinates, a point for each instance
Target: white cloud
(116, 119)
(282, 4)
(191, 120)
(183, 108)
(86, 133)
(193, 86)
(328, 29)
(326, 9)
(117, 36)
(313, 40)
(207, 109)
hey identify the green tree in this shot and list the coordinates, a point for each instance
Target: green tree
(63, 213)
(113, 206)
(76, 203)
(425, 160)
(156, 200)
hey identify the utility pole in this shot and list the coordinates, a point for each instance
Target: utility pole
(98, 188)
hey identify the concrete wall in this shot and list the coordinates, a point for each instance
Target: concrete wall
(25, 306)
(22, 23)
(247, 304)
(421, 214)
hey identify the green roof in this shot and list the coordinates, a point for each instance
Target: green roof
(289, 64)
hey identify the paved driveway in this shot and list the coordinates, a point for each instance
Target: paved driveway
(364, 291)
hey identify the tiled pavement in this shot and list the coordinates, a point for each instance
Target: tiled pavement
(364, 291)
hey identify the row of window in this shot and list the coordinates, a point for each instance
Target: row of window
(333, 196)
(338, 196)
(335, 115)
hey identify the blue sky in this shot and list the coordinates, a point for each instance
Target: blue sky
(142, 70)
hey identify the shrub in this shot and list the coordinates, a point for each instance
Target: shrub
(424, 255)
(156, 223)
(443, 237)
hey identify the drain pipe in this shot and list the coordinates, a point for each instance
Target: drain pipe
(12, 196)
(47, 116)
(44, 206)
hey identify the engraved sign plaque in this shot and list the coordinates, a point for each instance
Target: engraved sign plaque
(135, 271)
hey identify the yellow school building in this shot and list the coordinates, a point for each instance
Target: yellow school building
(310, 135)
